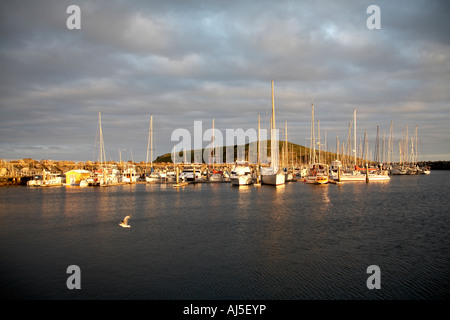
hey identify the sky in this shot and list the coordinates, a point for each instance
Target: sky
(186, 61)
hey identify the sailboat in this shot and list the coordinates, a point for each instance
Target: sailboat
(273, 175)
(318, 172)
(357, 173)
(99, 176)
(153, 176)
(216, 175)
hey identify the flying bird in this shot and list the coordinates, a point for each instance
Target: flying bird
(124, 222)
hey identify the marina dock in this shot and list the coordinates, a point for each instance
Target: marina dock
(19, 172)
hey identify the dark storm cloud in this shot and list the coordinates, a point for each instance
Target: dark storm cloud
(196, 60)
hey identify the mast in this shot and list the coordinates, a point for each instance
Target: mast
(377, 146)
(349, 144)
(259, 142)
(337, 147)
(286, 152)
(102, 148)
(273, 109)
(212, 154)
(354, 135)
(312, 158)
(274, 152)
(151, 141)
(415, 154)
(366, 147)
(318, 137)
(390, 146)
(102, 145)
(150, 145)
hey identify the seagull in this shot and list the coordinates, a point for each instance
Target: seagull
(124, 222)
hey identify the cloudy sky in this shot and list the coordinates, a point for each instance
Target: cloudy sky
(186, 61)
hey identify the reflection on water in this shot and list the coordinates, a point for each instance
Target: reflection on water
(217, 241)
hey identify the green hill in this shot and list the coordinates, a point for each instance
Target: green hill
(298, 153)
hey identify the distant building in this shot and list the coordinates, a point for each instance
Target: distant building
(74, 177)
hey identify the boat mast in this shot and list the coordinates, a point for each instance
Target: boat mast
(312, 158)
(318, 137)
(286, 152)
(415, 153)
(102, 145)
(212, 154)
(150, 141)
(377, 146)
(274, 162)
(259, 142)
(273, 109)
(337, 147)
(391, 145)
(366, 148)
(406, 155)
(354, 135)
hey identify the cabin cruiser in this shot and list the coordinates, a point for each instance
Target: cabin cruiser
(241, 174)
(190, 173)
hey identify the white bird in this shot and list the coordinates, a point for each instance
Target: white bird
(124, 222)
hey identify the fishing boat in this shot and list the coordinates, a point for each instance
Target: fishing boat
(241, 174)
(129, 174)
(273, 175)
(35, 182)
(47, 179)
(318, 174)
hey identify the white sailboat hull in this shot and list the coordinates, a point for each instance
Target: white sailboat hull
(349, 177)
(316, 179)
(378, 177)
(274, 179)
(360, 177)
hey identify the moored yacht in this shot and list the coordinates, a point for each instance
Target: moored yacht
(273, 175)
(130, 175)
(318, 174)
(190, 173)
(216, 176)
(153, 177)
(241, 174)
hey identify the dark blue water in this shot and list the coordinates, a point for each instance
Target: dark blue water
(216, 241)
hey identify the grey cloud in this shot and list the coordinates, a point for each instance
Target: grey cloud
(194, 60)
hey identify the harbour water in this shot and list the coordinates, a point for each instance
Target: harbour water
(217, 241)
